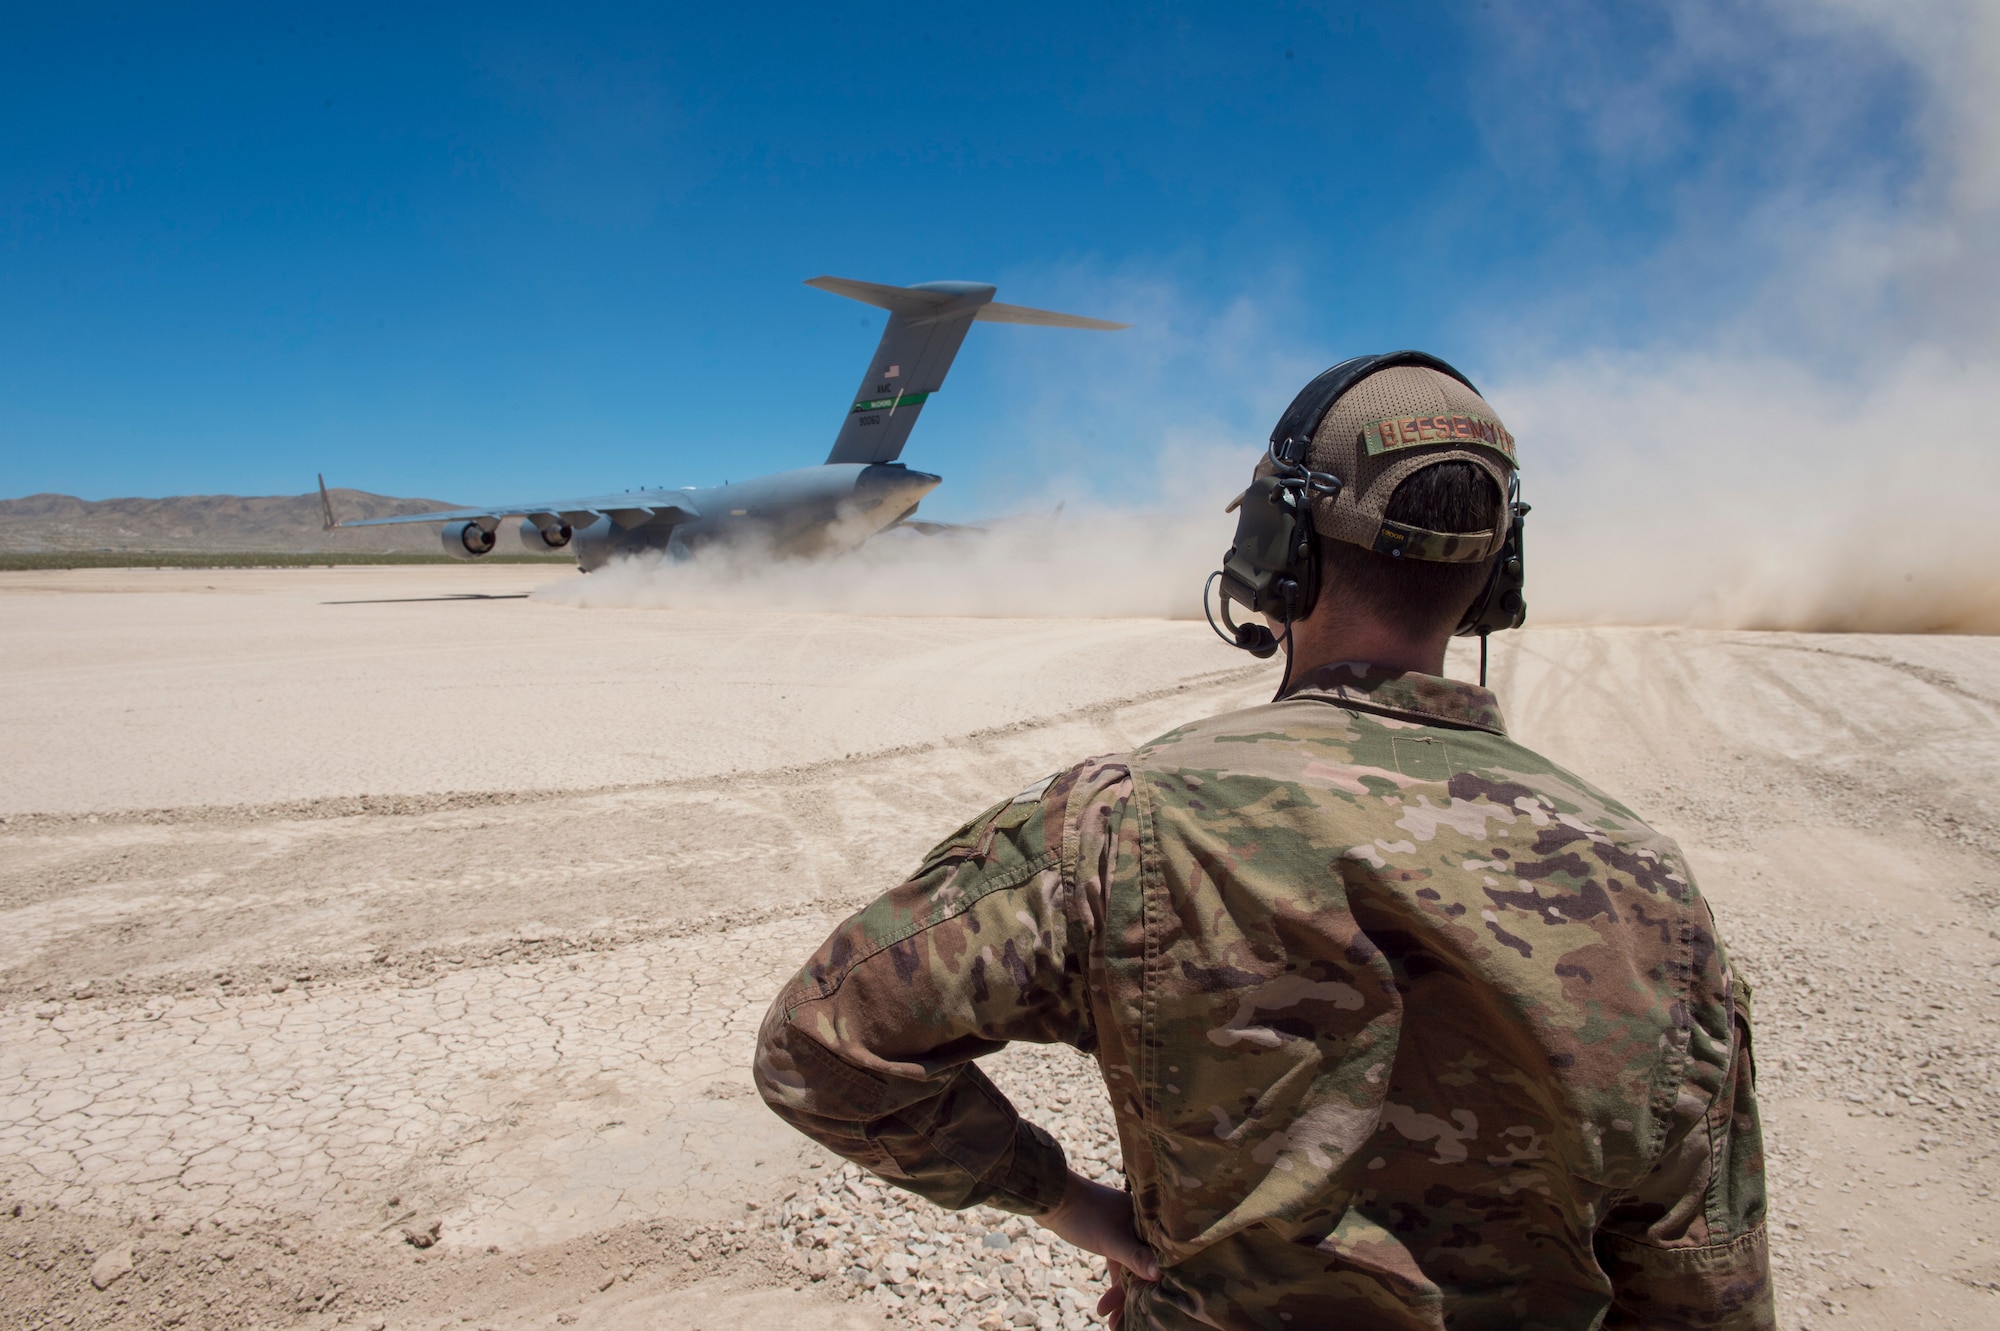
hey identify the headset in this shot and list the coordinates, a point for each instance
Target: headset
(1273, 566)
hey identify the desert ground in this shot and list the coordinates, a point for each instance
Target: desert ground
(383, 947)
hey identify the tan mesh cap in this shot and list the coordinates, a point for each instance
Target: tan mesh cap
(1386, 428)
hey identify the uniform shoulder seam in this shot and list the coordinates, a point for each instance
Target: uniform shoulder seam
(1000, 883)
(1105, 770)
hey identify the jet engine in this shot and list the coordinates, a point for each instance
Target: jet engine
(467, 540)
(540, 540)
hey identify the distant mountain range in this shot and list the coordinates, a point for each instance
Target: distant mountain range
(265, 524)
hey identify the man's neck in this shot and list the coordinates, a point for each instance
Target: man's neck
(1317, 644)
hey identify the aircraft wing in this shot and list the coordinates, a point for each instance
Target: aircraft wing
(627, 510)
(937, 528)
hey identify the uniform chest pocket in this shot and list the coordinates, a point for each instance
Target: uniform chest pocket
(1421, 757)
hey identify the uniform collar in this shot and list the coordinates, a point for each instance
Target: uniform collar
(1429, 699)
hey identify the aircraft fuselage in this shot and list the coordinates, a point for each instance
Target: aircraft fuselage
(808, 511)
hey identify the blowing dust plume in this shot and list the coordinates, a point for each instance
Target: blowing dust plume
(1107, 563)
(1819, 452)
(1752, 494)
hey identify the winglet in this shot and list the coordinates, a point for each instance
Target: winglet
(325, 505)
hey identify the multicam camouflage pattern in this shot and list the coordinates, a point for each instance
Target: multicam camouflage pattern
(1406, 542)
(1403, 1025)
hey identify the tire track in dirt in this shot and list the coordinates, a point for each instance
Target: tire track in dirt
(177, 901)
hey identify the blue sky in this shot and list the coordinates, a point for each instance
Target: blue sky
(483, 253)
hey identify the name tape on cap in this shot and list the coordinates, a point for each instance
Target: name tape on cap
(1429, 431)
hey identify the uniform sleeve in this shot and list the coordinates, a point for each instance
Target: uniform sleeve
(869, 1050)
(1687, 1249)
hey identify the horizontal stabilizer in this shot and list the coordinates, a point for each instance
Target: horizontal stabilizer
(994, 311)
(897, 300)
(933, 297)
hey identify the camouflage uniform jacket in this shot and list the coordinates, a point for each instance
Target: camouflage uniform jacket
(1403, 1025)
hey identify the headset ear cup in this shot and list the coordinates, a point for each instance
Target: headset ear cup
(1501, 603)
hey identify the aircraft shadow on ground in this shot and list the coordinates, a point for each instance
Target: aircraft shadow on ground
(455, 596)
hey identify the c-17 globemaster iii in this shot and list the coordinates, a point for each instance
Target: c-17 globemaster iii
(859, 491)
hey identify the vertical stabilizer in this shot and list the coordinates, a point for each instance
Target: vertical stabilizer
(927, 324)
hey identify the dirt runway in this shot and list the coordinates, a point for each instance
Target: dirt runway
(336, 905)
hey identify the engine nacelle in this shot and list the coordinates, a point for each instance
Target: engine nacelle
(544, 540)
(467, 540)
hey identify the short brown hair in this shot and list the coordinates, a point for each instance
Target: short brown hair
(1416, 596)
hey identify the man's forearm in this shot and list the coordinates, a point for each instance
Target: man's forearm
(956, 1141)
(870, 1048)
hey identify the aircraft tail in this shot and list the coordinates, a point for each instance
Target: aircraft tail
(927, 325)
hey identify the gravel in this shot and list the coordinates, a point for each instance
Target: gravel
(862, 1239)
(1842, 1019)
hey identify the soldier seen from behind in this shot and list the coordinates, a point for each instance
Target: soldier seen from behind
(1403, 1025)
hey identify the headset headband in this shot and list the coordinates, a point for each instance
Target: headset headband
(1296, 428)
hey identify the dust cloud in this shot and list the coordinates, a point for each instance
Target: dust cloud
(1751, 494)
(1709, 491)
(1093, 563)
(1818, 452)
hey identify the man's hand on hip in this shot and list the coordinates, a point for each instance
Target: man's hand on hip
(1099, 1219)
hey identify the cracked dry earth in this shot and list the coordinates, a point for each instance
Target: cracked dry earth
(323, 937)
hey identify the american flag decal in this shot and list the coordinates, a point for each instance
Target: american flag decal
(892, 372)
